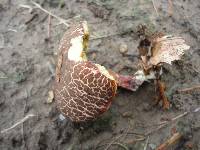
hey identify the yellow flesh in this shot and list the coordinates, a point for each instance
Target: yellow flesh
(77, 51)
(85, 40)
(104, 71)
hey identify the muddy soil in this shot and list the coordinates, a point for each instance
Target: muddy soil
(29, 42)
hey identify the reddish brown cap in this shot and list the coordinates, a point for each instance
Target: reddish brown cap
(83, 90)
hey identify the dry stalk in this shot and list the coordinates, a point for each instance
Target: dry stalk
(121, 145)
(25, 107)
(171, 141)
(112, 142)
(49, 27)
(146, 144)
(96, 37)
(155, 7)
(17, 123)
(26, 6)
(122, 136)
(2, 41)
(165, 123)
(51, 14)
(196, 87)
(170, 9)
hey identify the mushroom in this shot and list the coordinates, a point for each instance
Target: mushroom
(83, 89)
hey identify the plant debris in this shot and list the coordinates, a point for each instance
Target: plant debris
(156, 49)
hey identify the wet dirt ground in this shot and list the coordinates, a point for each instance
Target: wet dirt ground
(29, 42)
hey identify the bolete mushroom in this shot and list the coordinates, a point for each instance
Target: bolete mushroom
(83, 89)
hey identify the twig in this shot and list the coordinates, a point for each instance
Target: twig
(175, 118)
(146, 144)
(18, 123)
(74, 17)
(49, 27)
(106, 36)
(3, 77)
(26, 6)
(31, 19)
(132, 141)
(112, 142)
(121, 145)
(160, 88)
(155, 7)
(13, 30)
(165, 123)
(25, 107)
(118, 137)
(196, 87)
(125, 134)
(2, 41)
(51, 14)
(158, 128)
(170, 9)
(175, 138)
(180, 116)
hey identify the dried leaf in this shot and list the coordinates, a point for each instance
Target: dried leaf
(167, 49)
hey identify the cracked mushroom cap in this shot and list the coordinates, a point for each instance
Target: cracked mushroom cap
(83, 90)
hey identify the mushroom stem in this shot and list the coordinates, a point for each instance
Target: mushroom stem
(131, 83)
(128, 82)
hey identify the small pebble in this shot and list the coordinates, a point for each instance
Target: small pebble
(50, 97)
(61, 117)
(152, 146)
(127, 114)
(94, 56)
(123, 48)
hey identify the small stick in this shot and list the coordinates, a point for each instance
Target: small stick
(180, 116)
(106, 36)
(155, 8)
(51, 14)
(112, 142)
(25, 107)
(26, 6)
(121, 145)
(171, 141)
(31, 19)
(161, 94)
(165, 123)
(3, 77)
(175, 118)
(13, 30)
(49, 27)
(146, 144)
(133, 141)
(18, 123)
(170, 9)
(160, 127)
(196, 87)
(2, 41)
